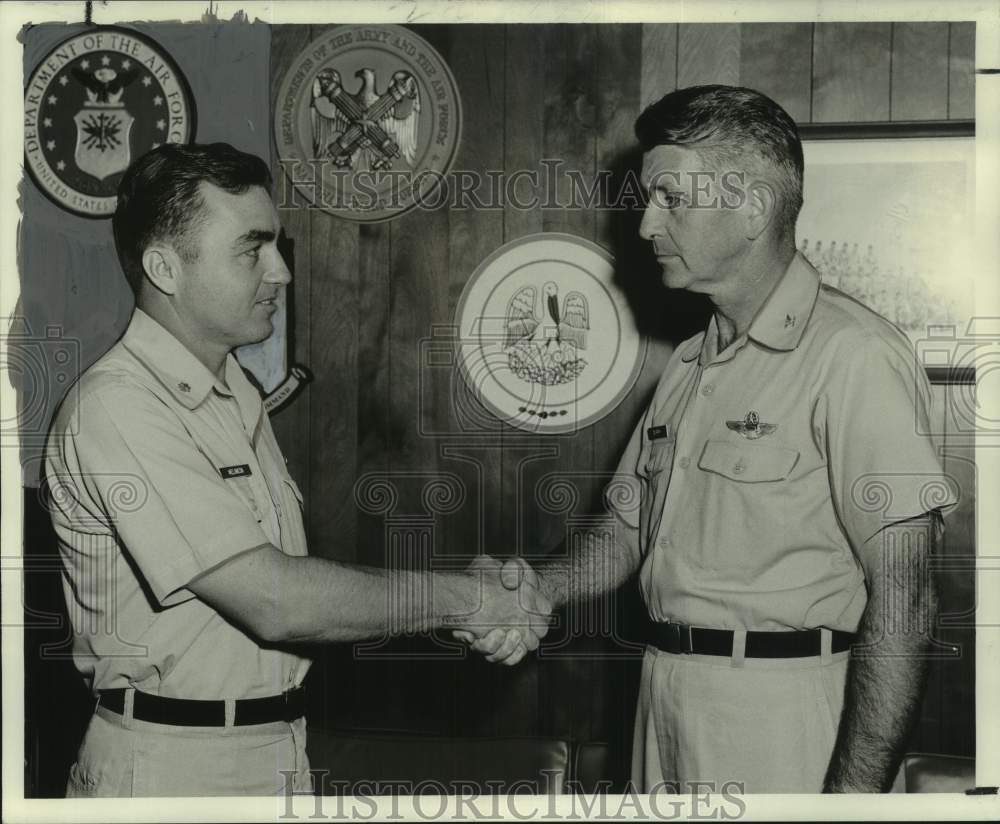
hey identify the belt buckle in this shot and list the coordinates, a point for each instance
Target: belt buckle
(679, 638)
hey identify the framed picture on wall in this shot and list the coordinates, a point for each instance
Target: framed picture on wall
(891, 222)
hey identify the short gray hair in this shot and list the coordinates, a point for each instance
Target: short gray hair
(732, 127)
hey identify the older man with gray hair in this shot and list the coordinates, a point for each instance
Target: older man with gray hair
(764, 557)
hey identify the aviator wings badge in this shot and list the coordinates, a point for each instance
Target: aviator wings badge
(751, 427)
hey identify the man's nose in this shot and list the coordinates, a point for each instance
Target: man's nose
(278, 272)
(648, 228)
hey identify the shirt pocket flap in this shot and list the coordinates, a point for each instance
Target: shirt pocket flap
(748, 464)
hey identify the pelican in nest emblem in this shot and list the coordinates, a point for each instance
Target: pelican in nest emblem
(751, 427)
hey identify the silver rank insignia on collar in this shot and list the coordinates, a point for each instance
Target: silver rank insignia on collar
(751, 427)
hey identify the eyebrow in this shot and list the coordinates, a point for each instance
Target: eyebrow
(254, 236)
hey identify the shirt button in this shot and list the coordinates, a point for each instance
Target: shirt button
(685, 462)
(738, 467)
(707, 389)
(664, 543)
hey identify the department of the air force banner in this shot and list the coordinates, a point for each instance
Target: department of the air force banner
(547, 341)
(95, 103)
(367, 122)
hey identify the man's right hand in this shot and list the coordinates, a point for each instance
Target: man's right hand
(512, 619)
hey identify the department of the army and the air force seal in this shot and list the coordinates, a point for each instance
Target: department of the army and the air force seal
(367, 122)
(95, 103)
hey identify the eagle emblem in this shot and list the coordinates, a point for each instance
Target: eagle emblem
(103, 125)
(92, 105)
(751, 427)
(543, 345)
(365, 130)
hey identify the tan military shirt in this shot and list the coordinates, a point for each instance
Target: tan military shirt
(159, 472)
(757, 473)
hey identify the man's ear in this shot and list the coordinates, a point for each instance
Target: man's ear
(761, 208)
(162, 266)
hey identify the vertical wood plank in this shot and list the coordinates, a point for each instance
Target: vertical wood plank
(570, 135)
(374, 288)
(368, 678)
(419, 300)
(961, 71)
(515, 693)
(334, 394)
(658, 75)
(570, 117)
(621, 60)
(524, 124)
(776, 59)
(474, 232)
(708, 53)
(851, 72)
(619, 66)
(486, 699)
(919, 89)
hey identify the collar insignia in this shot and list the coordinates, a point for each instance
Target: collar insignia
(751, 427)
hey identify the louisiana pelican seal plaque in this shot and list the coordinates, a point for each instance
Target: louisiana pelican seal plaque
(547, 341)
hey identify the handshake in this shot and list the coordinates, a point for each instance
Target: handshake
(512, 614)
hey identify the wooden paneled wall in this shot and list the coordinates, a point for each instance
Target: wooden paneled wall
(369, 302)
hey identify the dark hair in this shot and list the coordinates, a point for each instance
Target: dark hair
(731, 127)
(159, 197)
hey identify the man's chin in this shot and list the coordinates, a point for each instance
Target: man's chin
(260, 333)
(674, 276)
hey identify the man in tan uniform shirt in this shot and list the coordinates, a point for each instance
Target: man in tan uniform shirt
(187, 577)
(776, 496)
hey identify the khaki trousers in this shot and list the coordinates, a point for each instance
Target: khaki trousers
(766, 724)
(123, 757)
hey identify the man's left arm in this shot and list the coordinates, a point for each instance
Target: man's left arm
(888, 668)
(888, 488)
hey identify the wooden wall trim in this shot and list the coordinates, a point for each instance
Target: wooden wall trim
(887, 129)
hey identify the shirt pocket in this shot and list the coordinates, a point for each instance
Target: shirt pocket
(243, 488)
(654, 466)
(746, 463)
(657, 457)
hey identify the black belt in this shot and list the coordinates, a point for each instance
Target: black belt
(188, 712)
(680, 638)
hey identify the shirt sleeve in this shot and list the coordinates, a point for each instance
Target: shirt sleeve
(882, 461)
(134, 462)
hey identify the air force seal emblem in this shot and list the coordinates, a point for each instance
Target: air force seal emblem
(367, 122)
(751, 427)
(94, 104)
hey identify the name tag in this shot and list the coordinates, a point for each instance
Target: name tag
(234, 471)
(656, 432)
